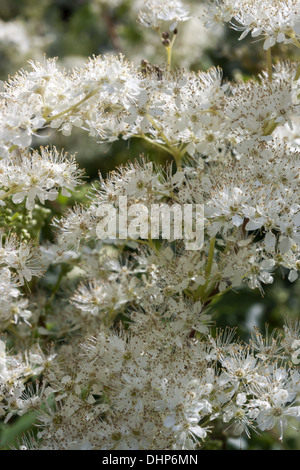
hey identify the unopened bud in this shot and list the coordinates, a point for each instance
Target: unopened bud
(166, 42)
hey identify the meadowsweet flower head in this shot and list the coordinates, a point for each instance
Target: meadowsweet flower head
(112, 305)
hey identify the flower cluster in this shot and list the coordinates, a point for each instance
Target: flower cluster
(163, 389)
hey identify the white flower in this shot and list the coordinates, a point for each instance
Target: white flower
(277, 20)
(155, 12)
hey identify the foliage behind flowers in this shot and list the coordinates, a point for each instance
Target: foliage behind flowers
(115, 344)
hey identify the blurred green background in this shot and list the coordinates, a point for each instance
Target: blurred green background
(73, 30)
